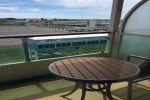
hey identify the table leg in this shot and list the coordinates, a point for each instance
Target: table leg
(73, 90)
(129, 90)
(83, 91)
(108, 91)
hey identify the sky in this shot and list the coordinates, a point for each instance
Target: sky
(69, 9)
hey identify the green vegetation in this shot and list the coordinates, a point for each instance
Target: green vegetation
(11, 54)
(92, 49)
(15, 53)
(69, 51)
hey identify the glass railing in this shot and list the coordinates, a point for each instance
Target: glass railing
(22, 48)
(11, 53)
(62, 46)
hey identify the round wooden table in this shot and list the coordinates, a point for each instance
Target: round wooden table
(102, 71)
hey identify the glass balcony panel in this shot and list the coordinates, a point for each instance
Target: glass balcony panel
(137, 38)
(14, 50)
(138, 22)
(134, 45)
(127, 6)
(66, 46)
(11, 51)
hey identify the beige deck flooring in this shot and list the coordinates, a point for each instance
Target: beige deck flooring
(53, 89)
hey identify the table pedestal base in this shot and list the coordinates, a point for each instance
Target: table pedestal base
(101, 87)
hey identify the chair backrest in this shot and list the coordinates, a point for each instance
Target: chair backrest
(145, 68)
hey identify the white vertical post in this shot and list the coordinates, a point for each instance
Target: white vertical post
(114, 23)
(25, 47)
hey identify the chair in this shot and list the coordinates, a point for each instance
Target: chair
(144, 71)
(144, 68)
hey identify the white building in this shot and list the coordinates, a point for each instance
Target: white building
(73, 25)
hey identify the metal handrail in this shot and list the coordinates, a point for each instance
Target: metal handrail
(48, 34)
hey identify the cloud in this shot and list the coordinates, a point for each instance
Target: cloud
(76, 3)
(14, 2)
(22, 15)
(56, 14)
(36, 10)
(8, 8)
(80, 9)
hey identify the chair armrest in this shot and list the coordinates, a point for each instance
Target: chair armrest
(136, 56)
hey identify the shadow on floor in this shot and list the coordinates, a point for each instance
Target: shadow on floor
(139, 92)
(51, 89)
(36, 91)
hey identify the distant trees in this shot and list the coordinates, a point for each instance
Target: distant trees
(12, 21)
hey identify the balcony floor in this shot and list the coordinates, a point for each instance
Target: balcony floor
(52, 89)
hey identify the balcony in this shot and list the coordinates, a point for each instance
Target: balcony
(24, 62)
(46, 89)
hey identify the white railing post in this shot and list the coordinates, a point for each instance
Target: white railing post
(114, 23)
(25, 48)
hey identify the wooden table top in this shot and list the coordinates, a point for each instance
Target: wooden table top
(94, 69)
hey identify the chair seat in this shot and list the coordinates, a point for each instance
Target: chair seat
(145, 75)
